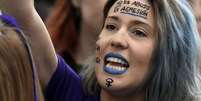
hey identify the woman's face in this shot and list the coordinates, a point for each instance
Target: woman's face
(125, 46)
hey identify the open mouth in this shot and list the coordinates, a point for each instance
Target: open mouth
(115, 64)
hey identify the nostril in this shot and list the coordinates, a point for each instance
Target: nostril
(118, 45)
(112, 44)
(118, 41)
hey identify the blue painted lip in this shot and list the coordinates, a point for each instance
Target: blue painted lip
(116, 55)
(114, 71)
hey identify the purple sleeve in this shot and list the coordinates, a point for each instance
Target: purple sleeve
(65, 85)
(9, 20)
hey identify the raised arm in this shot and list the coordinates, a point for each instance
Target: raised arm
(32, 25)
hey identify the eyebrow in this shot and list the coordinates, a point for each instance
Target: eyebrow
(113, 17)
(136, 22)
(141, 23)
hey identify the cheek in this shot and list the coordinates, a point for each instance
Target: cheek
(140, 57)
(101, 46)
(141, 54)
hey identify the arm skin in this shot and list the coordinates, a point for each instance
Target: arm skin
(34, 28)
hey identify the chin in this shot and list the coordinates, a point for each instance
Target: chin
(116, 88)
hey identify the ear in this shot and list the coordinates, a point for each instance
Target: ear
(76, 3)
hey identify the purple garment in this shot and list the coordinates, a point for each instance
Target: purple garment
(9, 20)
(65, 85)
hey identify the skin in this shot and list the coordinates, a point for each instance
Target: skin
(34, 28)
(135, 48)
(134, 38)
(196, 4)
(37, 34)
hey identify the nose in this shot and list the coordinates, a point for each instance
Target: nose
(119, 41)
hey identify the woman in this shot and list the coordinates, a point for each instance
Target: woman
(18, 80)
(147, 51)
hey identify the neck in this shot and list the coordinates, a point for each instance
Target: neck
(86, 45)
(106, 96)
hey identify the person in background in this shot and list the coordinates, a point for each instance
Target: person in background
(18, 77)
(74, 26)
(44, 7)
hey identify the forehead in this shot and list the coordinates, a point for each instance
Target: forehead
(140, 9)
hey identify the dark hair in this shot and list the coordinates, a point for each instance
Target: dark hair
(107, 7)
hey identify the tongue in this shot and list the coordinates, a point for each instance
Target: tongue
(115, 64)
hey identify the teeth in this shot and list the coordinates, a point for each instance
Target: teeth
(116, 67)
(111, 59)
(116, 60)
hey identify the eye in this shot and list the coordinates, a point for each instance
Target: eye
(139, 33)
(110, 27)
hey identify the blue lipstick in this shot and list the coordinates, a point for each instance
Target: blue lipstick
(115, 64)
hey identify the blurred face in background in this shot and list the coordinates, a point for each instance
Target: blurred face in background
(196, 4)
(92, 14)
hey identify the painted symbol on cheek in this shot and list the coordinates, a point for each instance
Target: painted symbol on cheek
(97, 60)
(109, 82)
